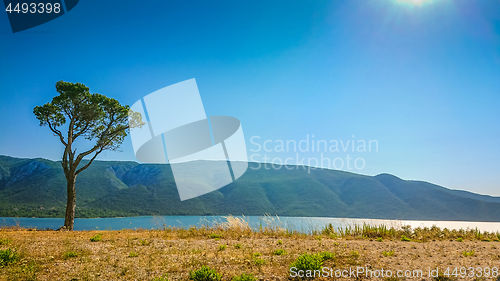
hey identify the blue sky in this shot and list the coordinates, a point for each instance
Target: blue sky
(422, 79)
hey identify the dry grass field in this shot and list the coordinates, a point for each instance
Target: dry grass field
(233, 248)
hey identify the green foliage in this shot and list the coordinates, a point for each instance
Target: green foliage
(205, 273)
(307, 262)
(388, 254)
(8, 256)
(326, 255)
(468, 254)
(95, 117)
(70, 254)
(222, 247)
(215, 236)
(280, 242)
(244, 277)
(5, 241)
(164, 277)
(279, 252)
(405, 239)
(379, 239)
(459, 239)
(237, 246)
(96, 238)
(133, 255)
(144, 242)
(256, 254)
(259, 262)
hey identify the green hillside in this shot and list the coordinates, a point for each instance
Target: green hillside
(37, 188)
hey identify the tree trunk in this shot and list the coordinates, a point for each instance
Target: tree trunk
(69, 220)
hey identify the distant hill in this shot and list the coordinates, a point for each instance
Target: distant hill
(37, 188)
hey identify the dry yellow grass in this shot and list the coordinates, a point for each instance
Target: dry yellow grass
(145, 254)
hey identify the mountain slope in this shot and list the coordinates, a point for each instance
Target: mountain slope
(36, 187)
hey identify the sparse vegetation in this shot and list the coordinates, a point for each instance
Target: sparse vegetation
(459, 239)
(161, 278)
(8, 256)
(133, 254)
(205, 273)
(244, 277)
(405, 239)
(388, 254)
(379, 239)
(70, 254)
(468, 254)
(279, 252)
(120, 256)
(96, 238)
(307, 262)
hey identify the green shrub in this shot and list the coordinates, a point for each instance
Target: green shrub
(144, 242)
(259, 262)
(215, 236)
(237, 246)
(307, 262)
(8, 256)
(244, 277)
(161, 278)
(96, 238)
(388, 254)
(379, 239)
(256, 254)
(133, 254)
(222, 247)
(468, 254)
(460, 239)
(205, 273)
(5, 241)
(326, 255)
(70, 254)
(279, 252)
(280, 242)
(405, 239)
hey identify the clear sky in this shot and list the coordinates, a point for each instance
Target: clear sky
(422, 78)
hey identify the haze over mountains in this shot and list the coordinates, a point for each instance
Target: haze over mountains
(37, 188)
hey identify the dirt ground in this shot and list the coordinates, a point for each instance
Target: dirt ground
(144, 255)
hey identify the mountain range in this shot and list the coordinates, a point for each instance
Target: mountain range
(37, 188)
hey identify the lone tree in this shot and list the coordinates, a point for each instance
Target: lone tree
(95, 117)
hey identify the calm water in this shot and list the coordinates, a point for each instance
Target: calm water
(303, 224)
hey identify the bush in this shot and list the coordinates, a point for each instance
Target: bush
(326, 255)
(133, 254)
(468, 254)
(307, 262)
(161, 278)
(280, 242)
(215, 236)
(237, 246)
(259, 262)
(244, 277)
(70, 254)
(388, 254)
(222, 247)
(459, 239)
(379, 239)
(5, 241)
(8, 256)
(205, 273)
(405, 239)
(96, 238)
(144, 242)
(279, 252)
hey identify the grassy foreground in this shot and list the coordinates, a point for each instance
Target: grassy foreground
(233, 248)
